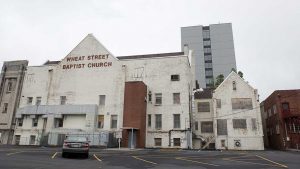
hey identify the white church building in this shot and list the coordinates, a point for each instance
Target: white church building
(91, 92)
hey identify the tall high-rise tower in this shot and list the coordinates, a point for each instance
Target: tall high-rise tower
(213, 50)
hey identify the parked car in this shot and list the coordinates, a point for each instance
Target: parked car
(76, 145)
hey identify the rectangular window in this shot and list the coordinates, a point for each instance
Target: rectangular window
(63, 100)
(222, 126)
(38, 101)
(219, 103)
(150, 96)
(175, 77)
(206, 34)
(101, 100)
(59, 122)
(254, 124)
(29, 100)
(114, 121)
(176, 118)
(157, 142)
(207, 127)
(176, 98)
(285, 106)
(32, 140)
(208, 65)
(158, 121)
(239, 123)
(277, 129)
(20, 122)
(158, 98)
(206, 43)
(203, 107)
(149, 120)
(176, 141)
(196, 125)
(100, 121)
(274, 109)
(9, 86)
(233, 85)
(241, 103)
(5, 107)
(209, 73)
(35, 122)
(207, 50)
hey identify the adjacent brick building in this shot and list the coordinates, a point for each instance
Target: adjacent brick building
(282, 117)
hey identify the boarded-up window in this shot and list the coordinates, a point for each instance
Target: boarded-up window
(239, 123)
(101, 100)
(38, 101)
(63, 100)
(158, 121)
(176, 98)
(114, 121)
(207, 127)
(149, 120)
(203, 107)
(158, 98)
(157, 142)
(254, 124)
(176, 120)
(222, 127)
(100, 121)
(218, 103)
(241, 103)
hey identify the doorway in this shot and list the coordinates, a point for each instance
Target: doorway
(131, 144)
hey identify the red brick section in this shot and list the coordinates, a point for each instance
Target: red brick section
(135, 112)
(283, 118)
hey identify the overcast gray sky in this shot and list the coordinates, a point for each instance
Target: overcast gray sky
(266, 32)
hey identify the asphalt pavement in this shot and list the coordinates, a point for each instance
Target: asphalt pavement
(13, 157)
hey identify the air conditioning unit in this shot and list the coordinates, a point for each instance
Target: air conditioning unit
(237, 143)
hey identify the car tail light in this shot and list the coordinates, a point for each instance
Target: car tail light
(86, 145)
(66, 144)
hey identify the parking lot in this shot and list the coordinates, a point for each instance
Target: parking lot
(46, 158)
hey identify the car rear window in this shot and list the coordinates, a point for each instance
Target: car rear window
(76, 138)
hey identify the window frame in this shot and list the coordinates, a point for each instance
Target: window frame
(176, 121)
(158, 121)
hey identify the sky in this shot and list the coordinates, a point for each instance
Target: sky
(266, 33)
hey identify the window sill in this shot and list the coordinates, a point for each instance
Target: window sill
(157, 104)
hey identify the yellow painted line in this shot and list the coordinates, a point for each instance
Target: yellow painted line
(8, 154)
(53, 156)
(196, 162)
(248, 162)
(97, 158)
(281, 165)
(144, 160)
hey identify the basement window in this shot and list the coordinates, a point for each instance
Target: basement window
(175, 77)
(176, 142)
(157, 142)
(29, 100)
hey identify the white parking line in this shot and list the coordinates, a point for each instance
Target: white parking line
(196, 161)
(54, 155)
(97, 158)
(281, 165)
(8, 154)
(144, 160)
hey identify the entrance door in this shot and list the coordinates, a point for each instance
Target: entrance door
(17, 139)
(133, 138)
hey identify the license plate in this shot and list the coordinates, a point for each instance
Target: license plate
(75, 145)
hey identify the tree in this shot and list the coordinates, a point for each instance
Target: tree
(219, 80)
